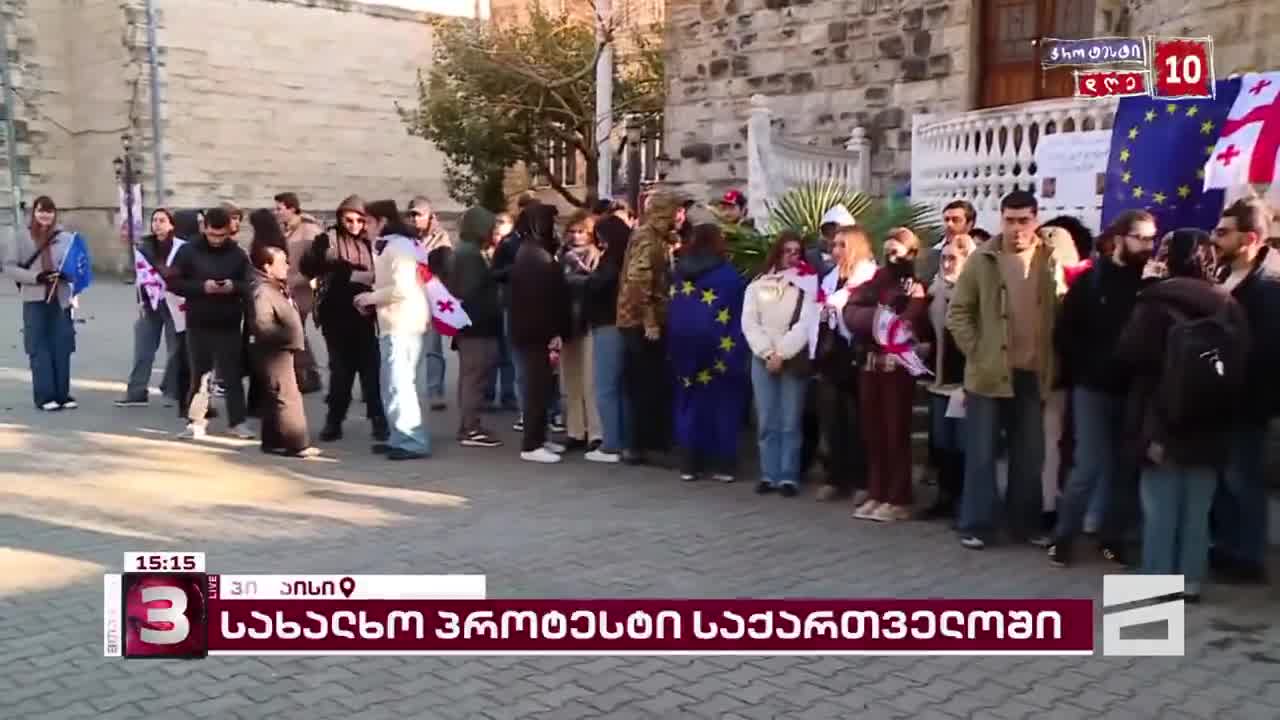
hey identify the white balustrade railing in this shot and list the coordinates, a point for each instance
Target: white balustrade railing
(775, 165)
(982, 155)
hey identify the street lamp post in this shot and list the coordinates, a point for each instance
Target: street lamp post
(635, 136)
(126, 175)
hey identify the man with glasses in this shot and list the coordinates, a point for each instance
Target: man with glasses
(438, 246)
(341, 262)
(1250, 269)
(1094, 313)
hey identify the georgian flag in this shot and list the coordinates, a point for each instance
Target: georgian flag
(447, 314)
(1247, 147)
(155, 288)
(894, 336)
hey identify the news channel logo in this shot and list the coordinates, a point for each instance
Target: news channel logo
(165, 615)
(1149, 606)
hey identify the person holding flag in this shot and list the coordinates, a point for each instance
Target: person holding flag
(160, 312)
(889, 310)
(51, 267)
(400, 300)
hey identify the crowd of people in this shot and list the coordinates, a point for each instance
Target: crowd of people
(1118, 386)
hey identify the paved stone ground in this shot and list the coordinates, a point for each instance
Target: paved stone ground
(79, 488)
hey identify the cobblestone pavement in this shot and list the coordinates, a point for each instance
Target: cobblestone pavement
(79, 488)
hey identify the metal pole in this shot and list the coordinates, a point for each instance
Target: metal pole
(604, 102)
(10, 134)
(157, 134)
(634, 139)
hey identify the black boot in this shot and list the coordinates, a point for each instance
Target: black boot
(381, 433)
(332, 431)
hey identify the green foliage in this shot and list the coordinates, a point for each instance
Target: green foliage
(500, 94)
(801, 209)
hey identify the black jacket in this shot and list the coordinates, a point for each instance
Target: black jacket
(504, 256)
(273, 319)
(1094, 313)
(576, 278)
(1141, 350)
(602, 284)
(199, 261)
(469, 278)
(334, 309)
(539, 297)
(1259, 294)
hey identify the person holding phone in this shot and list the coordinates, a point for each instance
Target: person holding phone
(212, 273)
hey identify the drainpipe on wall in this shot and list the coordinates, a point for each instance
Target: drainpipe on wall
(10, 133)
(157, 135)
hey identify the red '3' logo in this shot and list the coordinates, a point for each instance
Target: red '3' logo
(165, 615)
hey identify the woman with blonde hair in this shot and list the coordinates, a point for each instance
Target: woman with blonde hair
(578, 259)
(836, 363)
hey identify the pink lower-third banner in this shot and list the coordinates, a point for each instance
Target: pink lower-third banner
(648, 627)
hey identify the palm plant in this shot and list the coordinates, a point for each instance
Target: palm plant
(801, 209)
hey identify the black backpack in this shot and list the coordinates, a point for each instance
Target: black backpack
(1203, 378)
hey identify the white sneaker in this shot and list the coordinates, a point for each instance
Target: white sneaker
(242, 432)
(602, 457)
(541, 455)
(554, 447)
(192, 432)
(51, 406)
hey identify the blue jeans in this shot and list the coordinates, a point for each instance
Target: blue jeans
(148, 329)
(401, 360)
(779, 401)
(945, 434)
(611, 398)
(1242, 504)
(433, 358)
(49, 338)
(1098, 423)
(500, 389)
(1175, 521)
(1021, 419)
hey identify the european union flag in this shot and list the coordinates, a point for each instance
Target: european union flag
(708, 355)
(1158, 152)
(77, 264)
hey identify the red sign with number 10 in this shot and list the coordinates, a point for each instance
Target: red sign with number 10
(1183, 68)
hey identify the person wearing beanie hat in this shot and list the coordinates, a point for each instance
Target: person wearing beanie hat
(341, 262)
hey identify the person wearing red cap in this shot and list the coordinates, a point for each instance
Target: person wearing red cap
(733, 209)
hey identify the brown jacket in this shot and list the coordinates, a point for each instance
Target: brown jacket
(298, 241)
(646, 268)
(274, 323)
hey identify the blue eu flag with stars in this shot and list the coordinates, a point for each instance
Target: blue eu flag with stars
(1158, 152)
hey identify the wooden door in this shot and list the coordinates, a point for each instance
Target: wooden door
(1010, 61)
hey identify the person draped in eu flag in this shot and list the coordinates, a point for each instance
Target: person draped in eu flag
(708, 356)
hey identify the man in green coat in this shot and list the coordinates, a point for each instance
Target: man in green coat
(1001, 316)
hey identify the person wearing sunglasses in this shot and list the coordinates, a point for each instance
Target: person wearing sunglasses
(1094, 313)
(341, 261)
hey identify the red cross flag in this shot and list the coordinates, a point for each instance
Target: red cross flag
(447, 315)
(149, 280)
(1250, 139)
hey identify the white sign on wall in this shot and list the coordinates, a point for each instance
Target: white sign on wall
(1072, 168)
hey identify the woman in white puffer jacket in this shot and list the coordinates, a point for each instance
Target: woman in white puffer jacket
(776, 318)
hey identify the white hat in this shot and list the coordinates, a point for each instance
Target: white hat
(839, 215)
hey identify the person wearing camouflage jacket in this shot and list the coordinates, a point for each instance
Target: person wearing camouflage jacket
(643, 293)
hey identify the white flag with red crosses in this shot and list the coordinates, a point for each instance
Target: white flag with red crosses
(1249, 143)
(447, 315)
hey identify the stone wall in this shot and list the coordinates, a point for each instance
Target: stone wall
(258, 96)
(1240, 28)
(827, 65)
